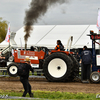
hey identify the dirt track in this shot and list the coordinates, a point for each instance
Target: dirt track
(50, 86)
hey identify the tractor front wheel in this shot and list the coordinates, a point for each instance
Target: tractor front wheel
(12, 69)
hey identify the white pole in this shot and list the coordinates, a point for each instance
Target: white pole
(9, 39)
(98, 25)
(70, 40)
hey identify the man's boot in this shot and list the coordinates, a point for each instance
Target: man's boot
(31, 95)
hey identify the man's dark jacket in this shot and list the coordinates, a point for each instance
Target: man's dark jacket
(86, 57)
(28, 69)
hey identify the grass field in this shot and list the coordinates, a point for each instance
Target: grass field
(56, 95)
(1, 73)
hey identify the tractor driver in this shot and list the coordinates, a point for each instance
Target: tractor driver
(59, 46)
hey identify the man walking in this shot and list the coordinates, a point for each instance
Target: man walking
(86, 58)
(24, 78)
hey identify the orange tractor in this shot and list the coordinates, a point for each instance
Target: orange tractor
(57, 66)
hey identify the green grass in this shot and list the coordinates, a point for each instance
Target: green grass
(55, 95)
(1, 73)
(35, 73)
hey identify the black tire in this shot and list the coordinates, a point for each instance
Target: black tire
(95, 77)
(12, 69)
(57, 67)
(75, 69)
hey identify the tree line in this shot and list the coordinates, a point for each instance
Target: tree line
(3, 29)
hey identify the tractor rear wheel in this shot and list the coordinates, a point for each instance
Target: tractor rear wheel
(95, 77)
(75, 69)
(57, 67)
(12, 69)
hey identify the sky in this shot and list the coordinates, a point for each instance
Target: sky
(74, 12)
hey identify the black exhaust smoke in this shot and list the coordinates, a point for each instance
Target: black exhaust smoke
(37, 9)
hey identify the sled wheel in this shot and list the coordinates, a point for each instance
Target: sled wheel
(57, 67)
(12, 69)
(95, 77)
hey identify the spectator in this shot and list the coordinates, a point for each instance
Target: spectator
(32, 48)
(86, 58)
(3, 64)
(77, 56)
(4, 72)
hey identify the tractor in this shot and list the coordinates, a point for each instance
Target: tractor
(56, 66)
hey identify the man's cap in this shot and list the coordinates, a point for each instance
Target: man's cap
(27, 59)
(85, 47)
